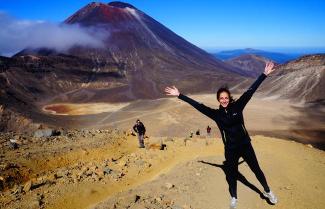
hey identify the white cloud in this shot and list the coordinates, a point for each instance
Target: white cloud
(16, 35)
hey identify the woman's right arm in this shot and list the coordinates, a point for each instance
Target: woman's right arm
(173, 91)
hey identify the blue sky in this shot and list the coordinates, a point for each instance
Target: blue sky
(210, 23)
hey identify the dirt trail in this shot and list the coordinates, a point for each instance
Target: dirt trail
(292, 170)
(160, 162)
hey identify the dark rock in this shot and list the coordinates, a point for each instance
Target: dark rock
(136, 198)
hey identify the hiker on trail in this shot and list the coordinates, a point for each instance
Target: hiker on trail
(197, 132)
(140, 130)
(191, 134)
(209, 131)
(229, 118)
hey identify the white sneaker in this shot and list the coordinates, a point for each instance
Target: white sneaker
(271, 197)
(233, 202)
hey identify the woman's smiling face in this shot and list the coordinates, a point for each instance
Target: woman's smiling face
(224, 99)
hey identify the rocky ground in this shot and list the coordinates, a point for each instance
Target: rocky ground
(106, 169)
(42, 163)
(51, 163)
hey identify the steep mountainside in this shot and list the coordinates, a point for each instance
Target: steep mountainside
(152, 55)
(301, 80)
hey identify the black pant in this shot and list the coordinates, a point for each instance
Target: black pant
(232, 156)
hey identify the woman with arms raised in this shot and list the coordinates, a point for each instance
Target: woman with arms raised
(229, 118)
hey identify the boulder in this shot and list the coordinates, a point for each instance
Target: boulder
(46, 133)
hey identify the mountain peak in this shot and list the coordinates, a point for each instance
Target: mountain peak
(120, 4)
(93, 5)
(249, 50)
(98, 13)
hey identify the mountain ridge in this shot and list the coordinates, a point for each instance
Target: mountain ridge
(251, 64)
(276, 56)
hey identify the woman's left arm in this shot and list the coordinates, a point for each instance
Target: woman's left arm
(243, 100)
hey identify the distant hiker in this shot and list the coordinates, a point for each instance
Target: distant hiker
(140, 130)
(191, 134)
(209, 131)
(197, 132)
(229, 118)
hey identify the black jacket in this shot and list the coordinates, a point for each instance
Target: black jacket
(229, 120)
(139, 128)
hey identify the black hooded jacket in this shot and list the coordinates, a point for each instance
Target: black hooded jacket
(139, 128)
(230, 120)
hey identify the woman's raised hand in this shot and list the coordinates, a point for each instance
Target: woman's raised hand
(172, 91)
(269, 68)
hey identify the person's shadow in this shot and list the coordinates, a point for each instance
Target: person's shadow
(240, 178)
